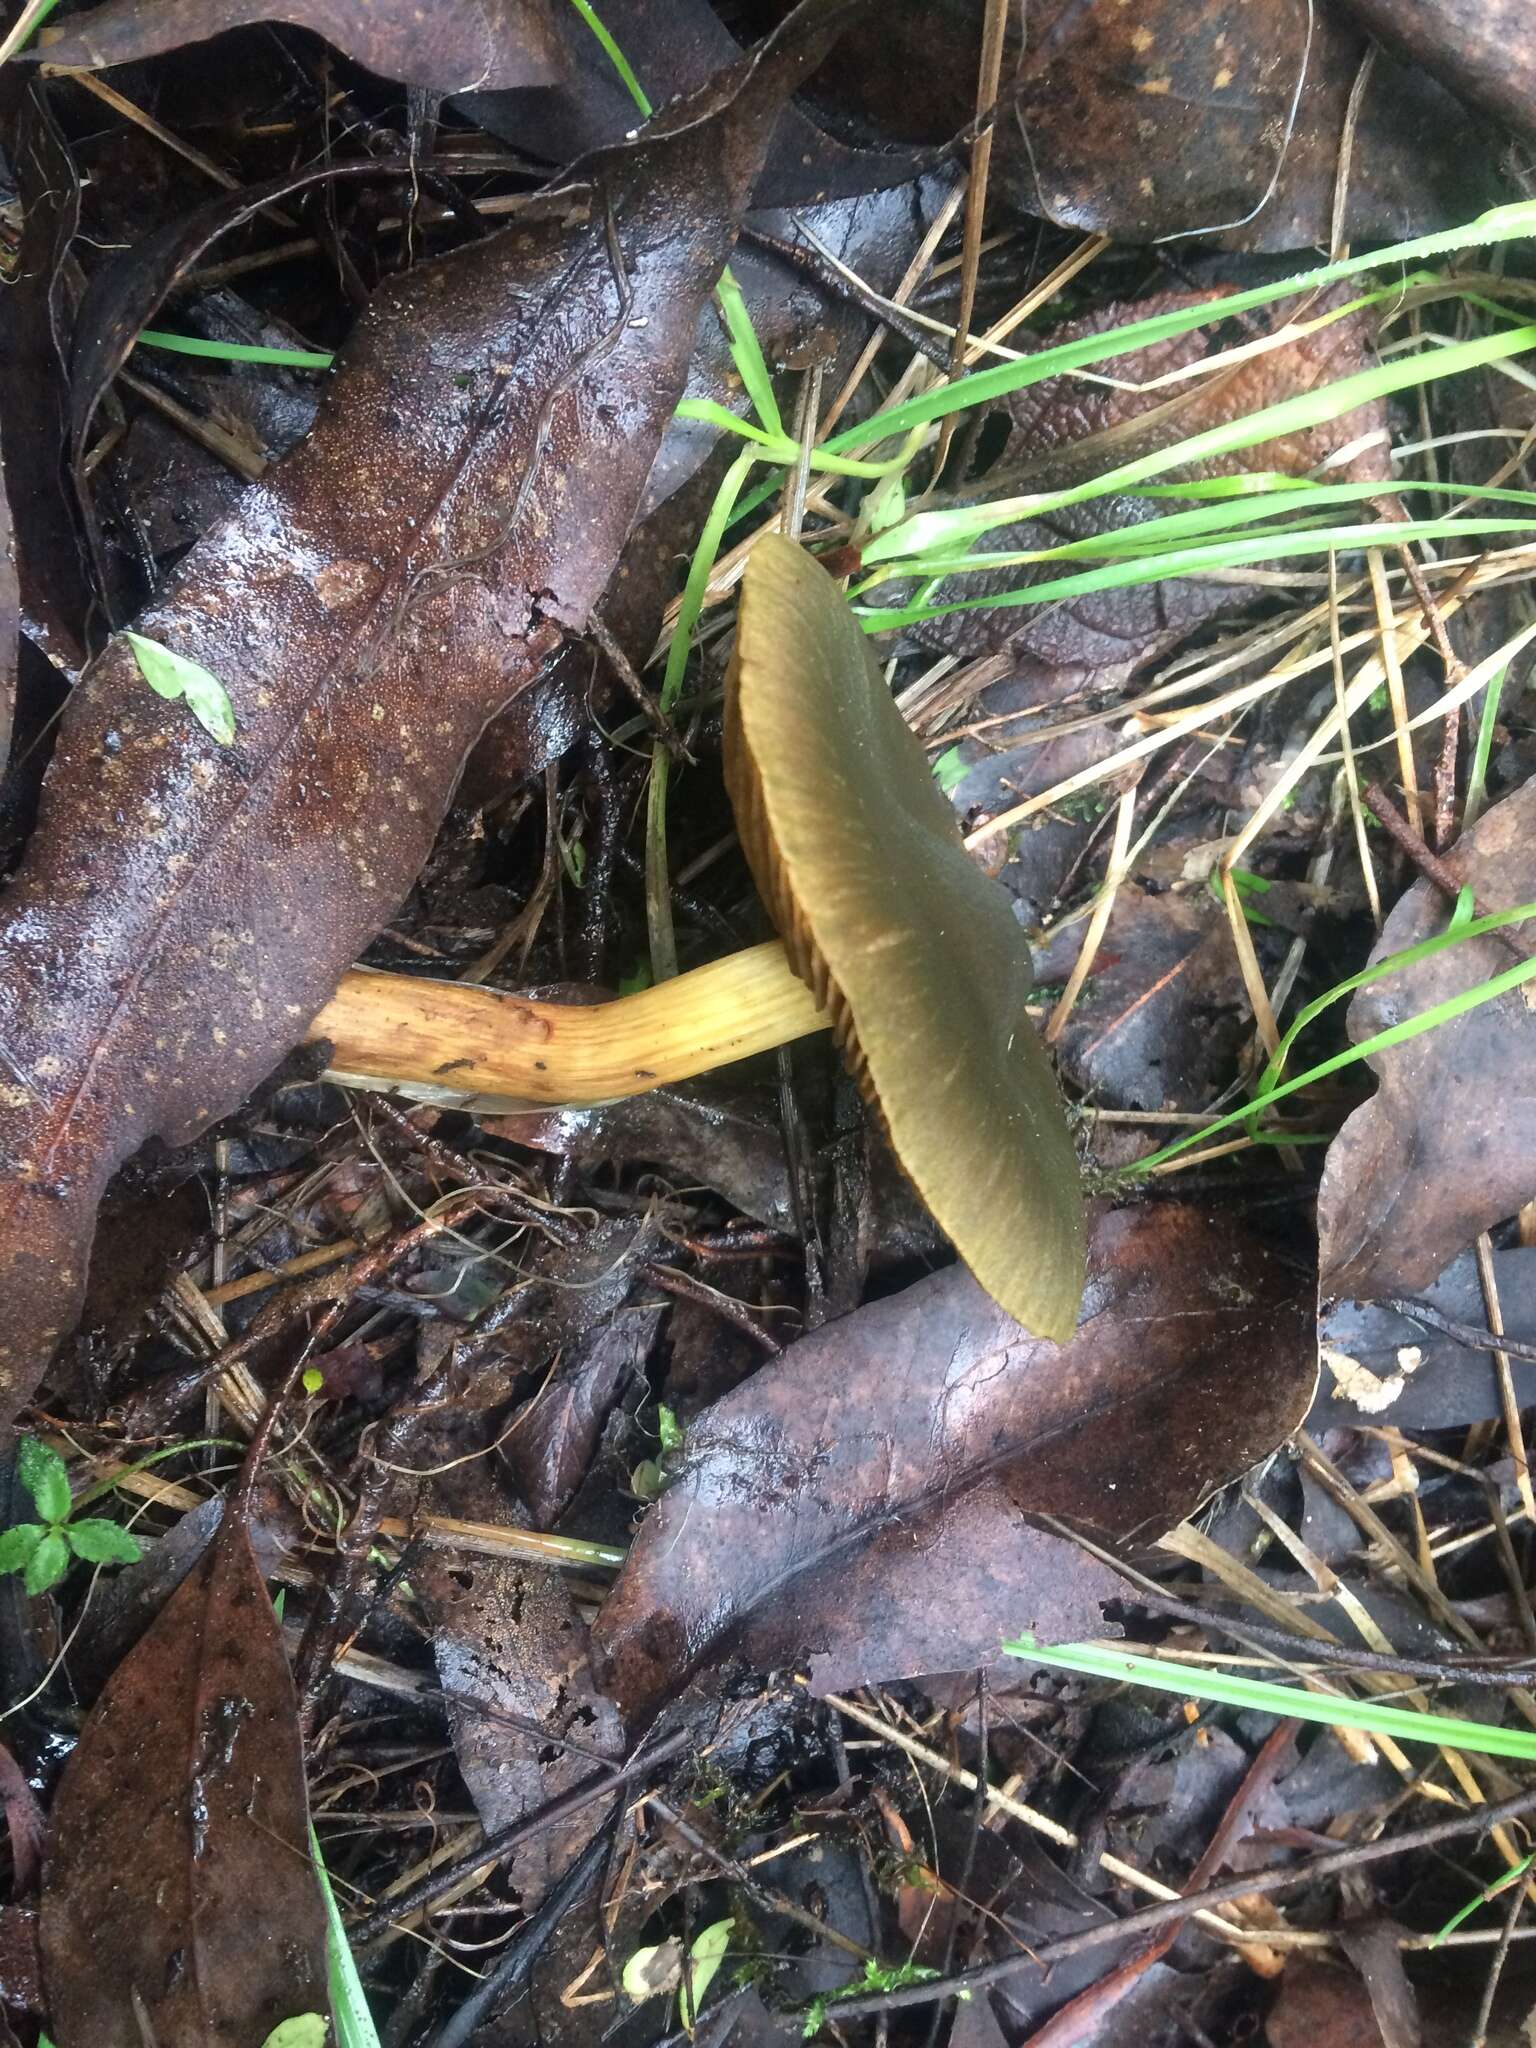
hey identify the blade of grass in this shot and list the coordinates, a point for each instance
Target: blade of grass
(234, 351)
(1192, 1681)
(1477, 779)
(1272, 1090)
(349, 2004)
(1129, 572)
(1298, 414)
(747, 354)
(615, 56)
(1499, 224)
(658, 880)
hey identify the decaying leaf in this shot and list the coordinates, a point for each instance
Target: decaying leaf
(185, 908)
(179, 1904)
(1446, 1146)
(1178, 117)
(1482, 49)
(861, 1507)
(511, 1655)
(450, 46)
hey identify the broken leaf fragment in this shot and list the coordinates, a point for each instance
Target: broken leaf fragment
(172, 676)
(914, 952)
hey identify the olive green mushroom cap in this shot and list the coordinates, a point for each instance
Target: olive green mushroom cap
(914, 952)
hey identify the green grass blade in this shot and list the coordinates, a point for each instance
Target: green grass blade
(982, 387)
(1130, 571)
(1299, 414)
(658, 880)
(233, 351)
(747, 354)
(1395, 1034)
(1331, 1710)
(1232, 513)
(615, 55)
(349, 2003)
(1477, 779)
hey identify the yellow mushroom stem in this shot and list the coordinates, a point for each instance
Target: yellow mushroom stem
(457, 1044)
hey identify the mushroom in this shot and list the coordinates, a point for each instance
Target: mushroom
(891, 936)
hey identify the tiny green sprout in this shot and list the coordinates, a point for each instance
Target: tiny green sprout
(172, 675)
(43, 1551)
(950, 770)
(647, 1481)
(573, 858)
(886, 503)
(668, 1428)
(876, 1977)
(314, 1379)
(1248, 886)
(637, 979)
(304, 2030)
(657, 1970)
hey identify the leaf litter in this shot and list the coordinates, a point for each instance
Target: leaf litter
(655, 1495)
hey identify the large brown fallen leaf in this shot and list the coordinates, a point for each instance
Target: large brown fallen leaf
(862, 1507)
(179, 1903)
(1482, 49)
(449, 46)
(186, 907)
(1174, 117)
(1447, 1144)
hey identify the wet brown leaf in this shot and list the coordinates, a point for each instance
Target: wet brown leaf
(526, 1721)
(450, 46)
(186, 907)
(1482, 49)
(1321, 2006)
(859, 1507)
(24, 1822)
(179, 1904)
(1053, 439)
(1179, 116)
(558, 1432)
(1446, 1146)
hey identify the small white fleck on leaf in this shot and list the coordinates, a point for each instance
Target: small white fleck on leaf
(172, 676)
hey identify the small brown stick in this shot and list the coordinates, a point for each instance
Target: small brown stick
(685, 1288)
(738, 1873)
(1311, 1650)
(503, 1841)
(1428, 862)
(629, 676)
(1466, 1334)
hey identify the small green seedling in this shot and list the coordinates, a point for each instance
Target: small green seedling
(1248, 886)
(656, 1971)
(43, 1551)
(304, 2030)
(876, 1977)
(950, 770)
(172, 676)
(668, 1428)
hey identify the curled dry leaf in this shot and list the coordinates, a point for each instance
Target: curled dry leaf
(450, 46)
(861, 1507)
(179, 1904)
(1446, 1146)
(185, 908)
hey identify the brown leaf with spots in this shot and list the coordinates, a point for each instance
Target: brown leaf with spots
(449, 46)
(866, 1507)
(185, 908)
(179, 1905)
(1446, 1147)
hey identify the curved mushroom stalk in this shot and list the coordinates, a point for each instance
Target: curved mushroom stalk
(892, 936)
(465, 1047)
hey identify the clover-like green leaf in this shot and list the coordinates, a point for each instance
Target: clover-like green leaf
(172, 675)
(102, 1542)
(43, 1473)
(304, 2030)
(18, 1544)
(48, 1563)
